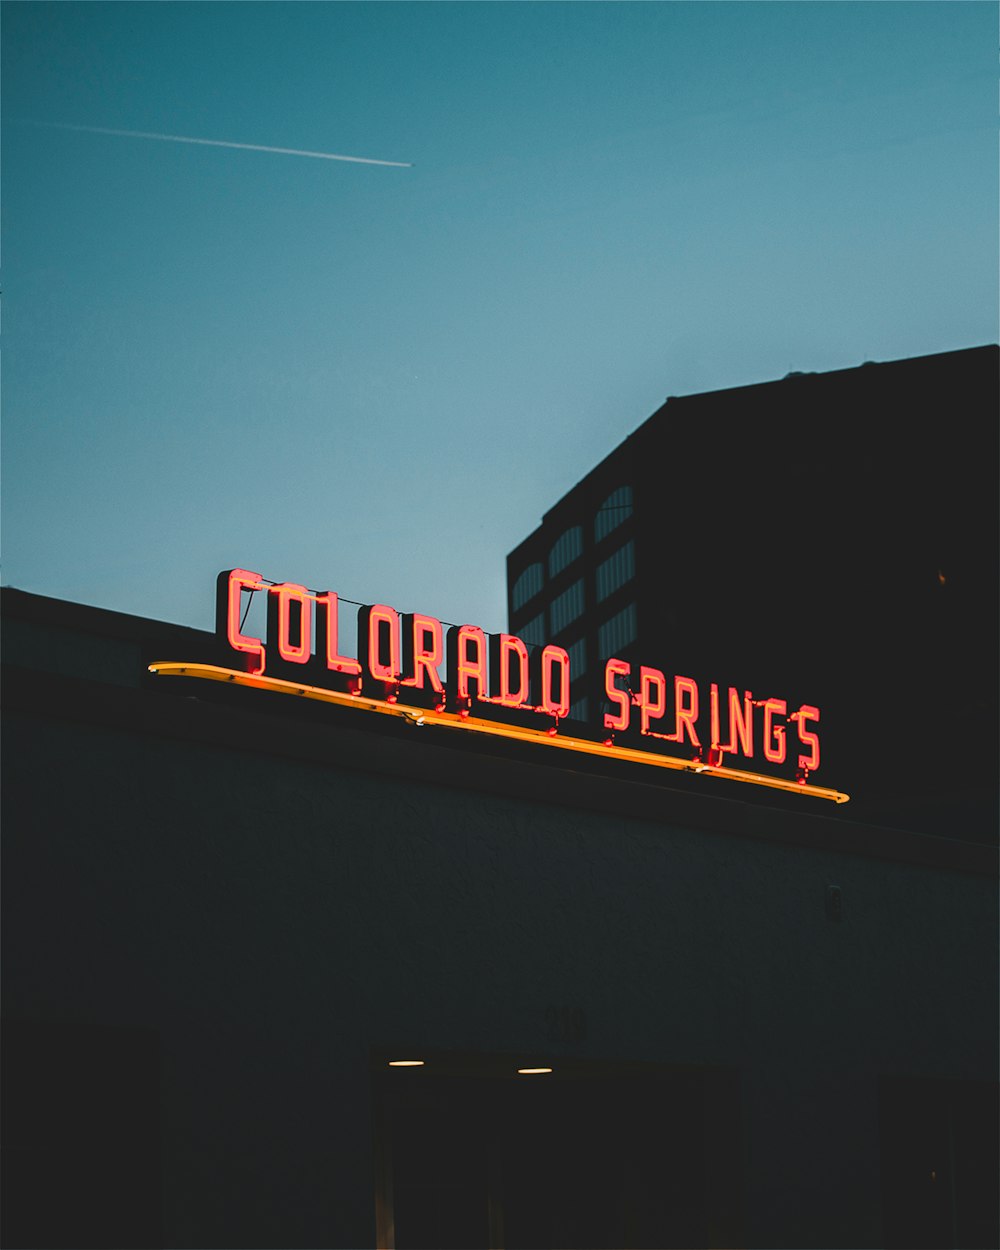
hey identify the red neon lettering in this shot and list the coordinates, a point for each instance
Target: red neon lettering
(808, 738)
(613, 669)
(713, 708)
(467, 661)
(553, 657)
(775, 746)
(240, 580)
(651, 709)
(286, 594)
(685, 715)
(423, 651)
(377, 624)
(741, 723)
(327, 612)
(506, 653)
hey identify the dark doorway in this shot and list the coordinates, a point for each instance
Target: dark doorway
(940, 1164)
(588, 1156)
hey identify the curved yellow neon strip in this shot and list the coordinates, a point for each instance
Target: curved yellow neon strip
(452, 720)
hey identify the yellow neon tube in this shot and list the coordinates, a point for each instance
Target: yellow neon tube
(452, 720)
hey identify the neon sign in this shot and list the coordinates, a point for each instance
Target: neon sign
(495, 684)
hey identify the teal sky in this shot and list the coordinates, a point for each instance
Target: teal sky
(375, 379)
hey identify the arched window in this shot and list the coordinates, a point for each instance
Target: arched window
(567, 548)
(615, 509)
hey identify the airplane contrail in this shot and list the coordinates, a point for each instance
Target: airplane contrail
(225, 143)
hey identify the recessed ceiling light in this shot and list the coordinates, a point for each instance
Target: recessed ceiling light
(532, 1071)
(406, 1063)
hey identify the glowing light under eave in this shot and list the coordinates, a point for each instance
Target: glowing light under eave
(463, 721)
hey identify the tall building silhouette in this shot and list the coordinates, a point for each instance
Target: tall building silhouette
(832, 537)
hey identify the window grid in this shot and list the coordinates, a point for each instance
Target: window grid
(533, 632)
(577, 653)
(615, 509)
(527, 586)
(567, 607)
(617, 632)
(567, 548)
(615, 571)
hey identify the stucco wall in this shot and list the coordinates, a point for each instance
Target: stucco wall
(272, 921)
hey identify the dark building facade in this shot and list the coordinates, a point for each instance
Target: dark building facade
(832, 537)
(632, 1014)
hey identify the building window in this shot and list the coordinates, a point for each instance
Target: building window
(579, 710)
(615, 571)
(567, 548)
(533, 631)
(616, 633)
(577, 658)
(567, 607)
(526, 587)
(615, 509)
